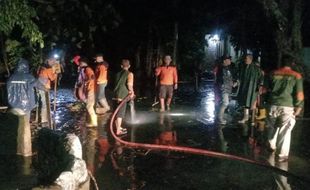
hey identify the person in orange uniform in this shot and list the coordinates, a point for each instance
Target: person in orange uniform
(168, 79)
(46, 75)
(87, 80)
(102, 81)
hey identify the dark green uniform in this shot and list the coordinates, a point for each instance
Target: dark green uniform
(251, 77)
(286, 88)
(121, 90)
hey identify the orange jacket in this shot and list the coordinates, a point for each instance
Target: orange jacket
(102, 73)
(47, 75)
(167, 75)
(89, 77)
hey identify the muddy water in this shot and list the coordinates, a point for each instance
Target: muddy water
(189, 123)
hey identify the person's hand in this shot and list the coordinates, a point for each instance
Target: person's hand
(131, 94)
(297, 111)
(260, 90)
(235, 84)
(56, 68)
(175, 86)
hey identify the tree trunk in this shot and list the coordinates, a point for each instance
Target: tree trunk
(287, 17)
(175, 43)
(149, 53)
(4, 54)
(296, 28)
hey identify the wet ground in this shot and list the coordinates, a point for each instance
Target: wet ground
(190, 123)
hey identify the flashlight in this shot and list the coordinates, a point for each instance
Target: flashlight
(56, 56)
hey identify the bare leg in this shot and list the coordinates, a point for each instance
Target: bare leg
(168, 103)
(162, 104)
(118, 123)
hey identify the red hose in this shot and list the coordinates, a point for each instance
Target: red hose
(195, 151)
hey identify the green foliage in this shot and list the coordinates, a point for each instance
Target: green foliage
(17, 13)
(14, 50)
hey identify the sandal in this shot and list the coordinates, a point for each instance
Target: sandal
(123, 131)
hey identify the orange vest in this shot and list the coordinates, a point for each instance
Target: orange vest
(167, 75)
(89, 77)
(47, 75)
(101, 73)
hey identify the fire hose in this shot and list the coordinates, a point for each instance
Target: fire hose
(189, 150)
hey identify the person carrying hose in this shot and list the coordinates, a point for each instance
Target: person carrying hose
(168, 79)
(123, 87)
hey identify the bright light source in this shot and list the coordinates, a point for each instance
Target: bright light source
(56, 56)
(216, 37)
(213, 39)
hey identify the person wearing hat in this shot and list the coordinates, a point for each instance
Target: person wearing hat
(102, 81)
(21, 98)
(225, 80)
(251, 79)
(123, 86)
(46, 75)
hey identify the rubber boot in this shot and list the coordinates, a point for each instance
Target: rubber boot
(221, 119)
(93, 121)
(245, 116)
(253, 117)
(262, 114)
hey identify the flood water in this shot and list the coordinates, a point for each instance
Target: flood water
(190, 123)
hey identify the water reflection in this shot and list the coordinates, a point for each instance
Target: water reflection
(281, 181)
(207, 107)
(167, 135)
(90, 149)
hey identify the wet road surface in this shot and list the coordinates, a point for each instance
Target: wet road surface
(191, 124)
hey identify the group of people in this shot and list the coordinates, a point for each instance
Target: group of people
(91, 86)
(283, 87)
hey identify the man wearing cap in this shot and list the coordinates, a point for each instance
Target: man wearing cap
(225, 80)
(102, 81)
(123, 87)
(46, 75)
(168, 79)
(251, 78)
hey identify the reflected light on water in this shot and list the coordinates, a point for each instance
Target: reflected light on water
(177, 114)
(207, 110)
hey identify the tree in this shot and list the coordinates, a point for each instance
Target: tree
(17, 15)
(286, 18)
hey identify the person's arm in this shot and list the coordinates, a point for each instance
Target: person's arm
(51, 74)
(97, 71)
(299, 96)
(130, 82)
(175, 78)
(157, 71)
(90, 75)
